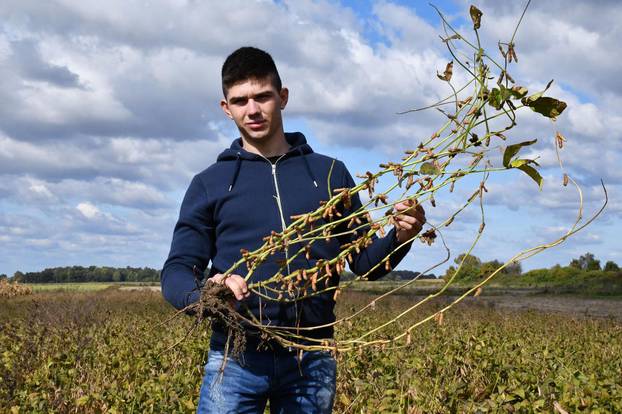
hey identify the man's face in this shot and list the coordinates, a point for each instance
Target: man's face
(255, 106)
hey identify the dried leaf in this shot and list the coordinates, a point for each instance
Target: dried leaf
(446, 76)
(558, 408)
(452, 37)
(476, 16)
(559, 139)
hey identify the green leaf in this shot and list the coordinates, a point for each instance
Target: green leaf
(512, 150)
(497, 97)
(428, 168)
(521, 162)
(533, 173)
(538, 95)
(545, 105)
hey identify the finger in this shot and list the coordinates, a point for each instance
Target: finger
(407, 218)
(235, 288)
(238, 286)
(409, 223)
(239, 280)
(402, 207)
(404, 225)
(217, 278)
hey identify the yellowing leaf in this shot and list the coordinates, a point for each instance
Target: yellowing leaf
(512, 150)
(428, 168)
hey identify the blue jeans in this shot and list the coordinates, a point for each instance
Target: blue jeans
(291, 386)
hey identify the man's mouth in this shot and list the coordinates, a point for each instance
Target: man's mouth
(256, 124)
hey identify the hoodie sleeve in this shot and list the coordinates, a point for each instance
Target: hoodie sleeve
(192, 246)
(380, 247)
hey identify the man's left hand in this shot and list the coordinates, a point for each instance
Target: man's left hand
(410, 220)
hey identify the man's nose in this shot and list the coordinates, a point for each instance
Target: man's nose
(253, 107)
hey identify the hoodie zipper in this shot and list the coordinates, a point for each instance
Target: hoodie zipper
(278, 201)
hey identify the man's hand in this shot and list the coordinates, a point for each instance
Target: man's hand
(410, 220)
(235, 283)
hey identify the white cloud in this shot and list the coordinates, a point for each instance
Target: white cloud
(109, 109)
(88, 210)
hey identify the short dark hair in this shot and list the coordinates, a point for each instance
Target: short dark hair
(249, 63)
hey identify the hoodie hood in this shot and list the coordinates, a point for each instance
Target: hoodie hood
(296, 140)
(298, 146)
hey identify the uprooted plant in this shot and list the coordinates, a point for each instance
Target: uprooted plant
(478, 117)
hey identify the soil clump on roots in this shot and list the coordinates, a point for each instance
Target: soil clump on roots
(217, 304)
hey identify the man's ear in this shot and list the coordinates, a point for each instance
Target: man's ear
(284, 94)
(225, 107)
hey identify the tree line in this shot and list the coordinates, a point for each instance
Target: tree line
(73, 274)
(76, 274)
(473, 268)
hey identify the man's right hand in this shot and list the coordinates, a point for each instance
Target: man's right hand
(235, 283)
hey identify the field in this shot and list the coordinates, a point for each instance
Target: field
(106, 351)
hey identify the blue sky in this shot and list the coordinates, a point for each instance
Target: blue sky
(110, 108)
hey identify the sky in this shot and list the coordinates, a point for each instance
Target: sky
(109, 109)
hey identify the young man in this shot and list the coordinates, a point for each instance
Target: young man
(256, 185)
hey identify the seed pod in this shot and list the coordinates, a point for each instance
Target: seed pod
(336, 294)
(565, 180)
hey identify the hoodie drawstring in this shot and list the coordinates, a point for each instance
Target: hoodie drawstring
(304, 157)
(236, 172)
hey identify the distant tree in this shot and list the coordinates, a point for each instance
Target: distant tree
(514, 268)
(469, 260)
(471, 268)
(586, 262)
(3, 276)
(611, 267)
(18, 276)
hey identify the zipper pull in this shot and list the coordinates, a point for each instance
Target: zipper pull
(273, 169)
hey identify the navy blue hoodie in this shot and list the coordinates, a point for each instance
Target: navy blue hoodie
(234, 203)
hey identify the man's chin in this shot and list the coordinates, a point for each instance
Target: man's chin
(256, 135)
